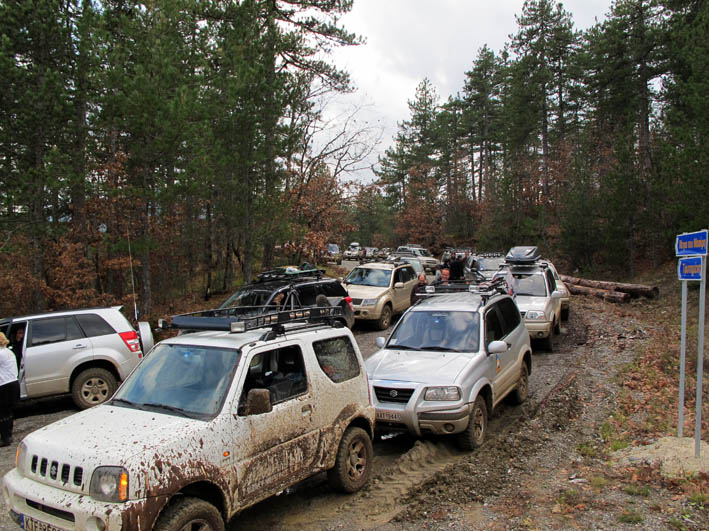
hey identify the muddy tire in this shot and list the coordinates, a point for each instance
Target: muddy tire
(474, 435)
(519, 395)
(190, 513)
(548, 342)
(385, 318)
(353, 464)
(557, 327)
(93, 387)
(564, 314)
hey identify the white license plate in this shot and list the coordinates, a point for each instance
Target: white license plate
(30, 524)
(389, 415)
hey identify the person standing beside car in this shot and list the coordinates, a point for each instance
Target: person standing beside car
(17, 344)
(9, 390)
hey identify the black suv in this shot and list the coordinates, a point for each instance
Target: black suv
(291, 288)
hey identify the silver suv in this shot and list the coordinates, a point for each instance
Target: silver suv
(82, 352)
(450, 360)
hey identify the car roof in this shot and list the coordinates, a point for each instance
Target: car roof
(58, 313)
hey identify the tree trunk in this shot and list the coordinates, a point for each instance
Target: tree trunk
(612, 296)
(634, 290)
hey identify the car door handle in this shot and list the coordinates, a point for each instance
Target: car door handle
(307, 410)
(79, 346)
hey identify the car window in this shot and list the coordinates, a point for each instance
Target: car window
(182, 379)
(363, 276)
(337, 358)
(437, 330)
(333, 289)
(510, 314)
(550, 279)
(53, 330)
(307, 294)
(281, 371)
(493, 327)
(532, 285)
(94, 325)
(247, 297)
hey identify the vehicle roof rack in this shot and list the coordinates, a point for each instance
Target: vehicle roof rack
(286, 273)
(484, 289)
(245, 318)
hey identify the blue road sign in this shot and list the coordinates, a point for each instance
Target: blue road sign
(692, 243)
(690, 268)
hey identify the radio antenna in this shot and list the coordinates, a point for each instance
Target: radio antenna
(132, 282)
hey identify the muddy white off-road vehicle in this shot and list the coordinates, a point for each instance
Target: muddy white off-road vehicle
(211, 422)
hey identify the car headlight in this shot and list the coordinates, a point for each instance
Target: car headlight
(442, 393)
(369, 302)
(109, 483)
(535, 315)
(20, 457)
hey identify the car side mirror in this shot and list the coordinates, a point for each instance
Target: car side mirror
(398, 285)
(258, 402)
(497, 347)
(381, 341)
(556, 294)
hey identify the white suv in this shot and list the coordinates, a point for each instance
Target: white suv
(83, 352)
(211, 422)
(450, 360)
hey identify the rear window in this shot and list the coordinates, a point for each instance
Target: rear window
(94, 325)
(337, 358)
(333, 289)
(54, 330)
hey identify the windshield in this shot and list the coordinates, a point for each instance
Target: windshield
(437, 330)
(247, 297)
(369, 277)
(183, 380)
(415, 263)
(333, 248)
(532, 285)
(488, 264)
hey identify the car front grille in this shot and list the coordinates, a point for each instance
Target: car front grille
(522, 314)
(393, 394)
(356, 302)
(55, 472)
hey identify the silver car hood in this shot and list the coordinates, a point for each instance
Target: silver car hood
(417, 366)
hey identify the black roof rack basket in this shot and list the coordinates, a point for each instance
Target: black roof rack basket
(286, 273)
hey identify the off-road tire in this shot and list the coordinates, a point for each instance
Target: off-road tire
(353, 464)
(385, 318)
(557, 327)
(93, 387)
(565, 314)
(474, 435)
(520, 393)
(190, 513)
(548, 342)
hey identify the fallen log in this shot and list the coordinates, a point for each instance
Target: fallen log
(613, 296)
(635, 290)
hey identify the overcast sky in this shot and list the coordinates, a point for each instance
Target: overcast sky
(409, 40)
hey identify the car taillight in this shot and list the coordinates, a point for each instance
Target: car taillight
(348, 300)
(131, 340)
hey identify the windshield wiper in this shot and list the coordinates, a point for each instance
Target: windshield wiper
(123, 401)
(404, 347)
(172, 409)
(438, 347)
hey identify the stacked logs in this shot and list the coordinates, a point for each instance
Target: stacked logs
(610, 291)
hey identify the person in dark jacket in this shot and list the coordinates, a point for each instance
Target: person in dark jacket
(457, 267)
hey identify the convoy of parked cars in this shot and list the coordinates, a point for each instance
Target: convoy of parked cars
(271, 387)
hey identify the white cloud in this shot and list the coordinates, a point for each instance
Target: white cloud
(409, 40)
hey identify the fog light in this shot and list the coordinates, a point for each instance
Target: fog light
(540, 334)
(448, 427)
